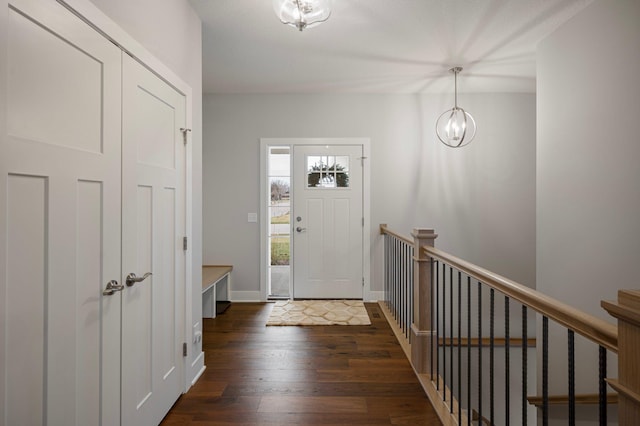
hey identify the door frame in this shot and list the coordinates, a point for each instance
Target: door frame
(95, 18)
(265, 144)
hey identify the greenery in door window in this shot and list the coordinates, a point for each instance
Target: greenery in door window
(324, 175)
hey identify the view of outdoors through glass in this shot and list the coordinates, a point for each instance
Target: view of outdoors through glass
(279, 210)
(327, 171)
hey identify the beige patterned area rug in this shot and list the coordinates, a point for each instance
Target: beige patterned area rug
(319, 312)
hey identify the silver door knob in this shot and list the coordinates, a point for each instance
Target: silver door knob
(299, 229)
(112, 287)
(132, 279)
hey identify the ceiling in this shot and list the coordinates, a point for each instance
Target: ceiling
(378, 46)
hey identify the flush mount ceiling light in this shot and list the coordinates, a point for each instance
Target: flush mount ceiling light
(302, 13)
(456, 127)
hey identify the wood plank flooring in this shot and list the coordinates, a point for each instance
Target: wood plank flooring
(316, 375)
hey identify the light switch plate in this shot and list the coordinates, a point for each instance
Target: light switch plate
(252, 217)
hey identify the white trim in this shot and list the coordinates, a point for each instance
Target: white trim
(95, 18)
(245, 296)
(198, 366)
(265, 143)
(263, 224)
(375, 296)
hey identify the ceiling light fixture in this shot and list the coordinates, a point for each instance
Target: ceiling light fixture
(456, 127)
(302, 13)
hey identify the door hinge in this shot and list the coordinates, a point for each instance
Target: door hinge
(184, 349)
(362, 281)
(363, 221)
(184, 243)
(184, 134)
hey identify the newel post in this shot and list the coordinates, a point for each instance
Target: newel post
(627, 311)
(422, 328)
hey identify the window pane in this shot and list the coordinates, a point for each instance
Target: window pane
(279, 161)
(279, 250)
(327, 171)
(342, 179)
(342, 163)
(314, 163)
(280, 187)
(280, 219)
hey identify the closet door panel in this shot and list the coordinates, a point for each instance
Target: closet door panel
(153, 224)
(26, 299)
(64, 198)
(65, 107)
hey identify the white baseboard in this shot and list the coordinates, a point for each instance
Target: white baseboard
(198, 367)
(246, 296)
(195, 379)
(375, 296)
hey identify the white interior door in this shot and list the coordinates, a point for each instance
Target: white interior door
(153, 226)
(62, 177)
(327, 222)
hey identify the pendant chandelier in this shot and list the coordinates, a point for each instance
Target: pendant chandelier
(302, 13)
(456, 127)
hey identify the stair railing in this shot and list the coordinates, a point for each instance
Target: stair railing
(452, 338)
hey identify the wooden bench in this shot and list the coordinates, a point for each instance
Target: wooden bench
(216, 282)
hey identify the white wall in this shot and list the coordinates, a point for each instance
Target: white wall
(4, 24)
(588, 176)
(171, 31)
(486, 191)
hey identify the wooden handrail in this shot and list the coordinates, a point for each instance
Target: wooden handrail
(385, 230)
(588, 326)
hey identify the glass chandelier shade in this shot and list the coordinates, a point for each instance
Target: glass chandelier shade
(302, 14)
(456, 127)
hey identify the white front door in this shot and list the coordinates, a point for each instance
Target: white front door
(61, 172)
(327, 222)
(153, 226)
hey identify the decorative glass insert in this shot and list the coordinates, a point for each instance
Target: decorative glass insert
(327, 171)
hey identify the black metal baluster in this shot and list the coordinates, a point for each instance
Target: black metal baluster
(411, 293)
(525, 347)
(437, 303)
(444, 333)
(386, 269)
(507, 401)
(491, 355)
(545, 371)
(392, 274)
(602, 385)
(434, 283)
(406, 291)
(451, 339)
(469, 351)
(402, 290)
(572, 377)
(396, 270)
(396, 285)
(459, 346)
(480, 350)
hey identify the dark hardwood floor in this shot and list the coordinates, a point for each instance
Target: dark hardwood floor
(315, 375)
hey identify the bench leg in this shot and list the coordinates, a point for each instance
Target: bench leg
(209, 303)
